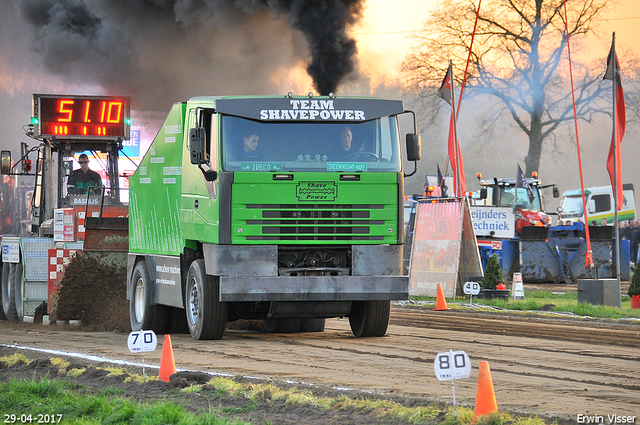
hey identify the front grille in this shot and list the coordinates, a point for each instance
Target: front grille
(315, 222)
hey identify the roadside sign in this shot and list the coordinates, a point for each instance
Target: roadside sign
(10, 249)
(452, 365)
(518, 287)
(142, 341)
(471, 288)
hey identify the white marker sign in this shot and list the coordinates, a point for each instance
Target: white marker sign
(471, 288)
(141, 341)
(452, 365)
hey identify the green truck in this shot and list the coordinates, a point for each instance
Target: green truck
(283, 209)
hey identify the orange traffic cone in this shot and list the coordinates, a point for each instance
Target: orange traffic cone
(167, 362)
(485, 396)
(441, 302)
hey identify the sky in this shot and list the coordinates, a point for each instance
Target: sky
(384, 37)
(384, 34)
(244, 50)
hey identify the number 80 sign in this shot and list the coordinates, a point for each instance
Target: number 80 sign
(452, 365)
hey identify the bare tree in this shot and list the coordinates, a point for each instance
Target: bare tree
(518, 58)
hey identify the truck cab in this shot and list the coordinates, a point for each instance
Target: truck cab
(600, 204)
(282, 209)
(527, 204)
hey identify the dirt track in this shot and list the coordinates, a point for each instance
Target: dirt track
(548, 366)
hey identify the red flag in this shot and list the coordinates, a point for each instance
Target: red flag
(446, 89)
(441, 183)
(456, 159)
(620, 121)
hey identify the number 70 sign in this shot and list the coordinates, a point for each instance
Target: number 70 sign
(452, 365)
(141, 341)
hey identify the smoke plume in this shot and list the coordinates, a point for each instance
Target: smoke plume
(162, 51)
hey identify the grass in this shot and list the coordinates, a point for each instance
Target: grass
(60, 399)
(566, 302)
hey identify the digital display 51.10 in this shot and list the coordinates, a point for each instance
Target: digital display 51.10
(80, 117)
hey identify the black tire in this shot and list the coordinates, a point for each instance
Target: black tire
(177, 321)
(206, 314)
(142, 314)
(312, 325)
(281, 326)
(17, 290)
(2, 316)
(369, 318)
(8, 297)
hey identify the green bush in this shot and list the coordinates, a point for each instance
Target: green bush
(492, 273)
(634, 287)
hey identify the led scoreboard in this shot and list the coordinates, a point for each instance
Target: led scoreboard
(81, 117)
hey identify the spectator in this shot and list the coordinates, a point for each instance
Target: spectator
(635, 240)
(624, 230)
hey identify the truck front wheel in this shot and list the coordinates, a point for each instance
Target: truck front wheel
(206, 314)
(17, 289)
(8, 295)
(369, 318)
(144, 315)
(2, 316)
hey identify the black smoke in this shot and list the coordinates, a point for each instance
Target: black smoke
(333, 52)
(160, 51)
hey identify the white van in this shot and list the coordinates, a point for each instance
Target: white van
(599, 204)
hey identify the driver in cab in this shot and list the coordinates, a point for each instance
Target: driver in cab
(344, 150)
(83, 178)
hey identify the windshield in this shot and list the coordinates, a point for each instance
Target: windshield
(572, 206)
(250, 145)
(507, 194)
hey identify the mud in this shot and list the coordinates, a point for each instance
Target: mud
(95, 294)
(541, 364)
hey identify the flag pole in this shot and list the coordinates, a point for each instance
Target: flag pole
(455, 131)
(615, 166)
(588, 260)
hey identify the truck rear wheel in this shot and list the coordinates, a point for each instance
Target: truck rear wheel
(206, 314)
(17, 289)
(369, 318)
(8, 296)
(143, 315)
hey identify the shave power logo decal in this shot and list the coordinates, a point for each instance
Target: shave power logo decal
(316, 191)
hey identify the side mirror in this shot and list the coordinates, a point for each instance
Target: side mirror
(6, 162)
(556, 193)
(196, 145)
(413, 147)
(483, 193)
(560, 210)
(591, 206)
(68, 167)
